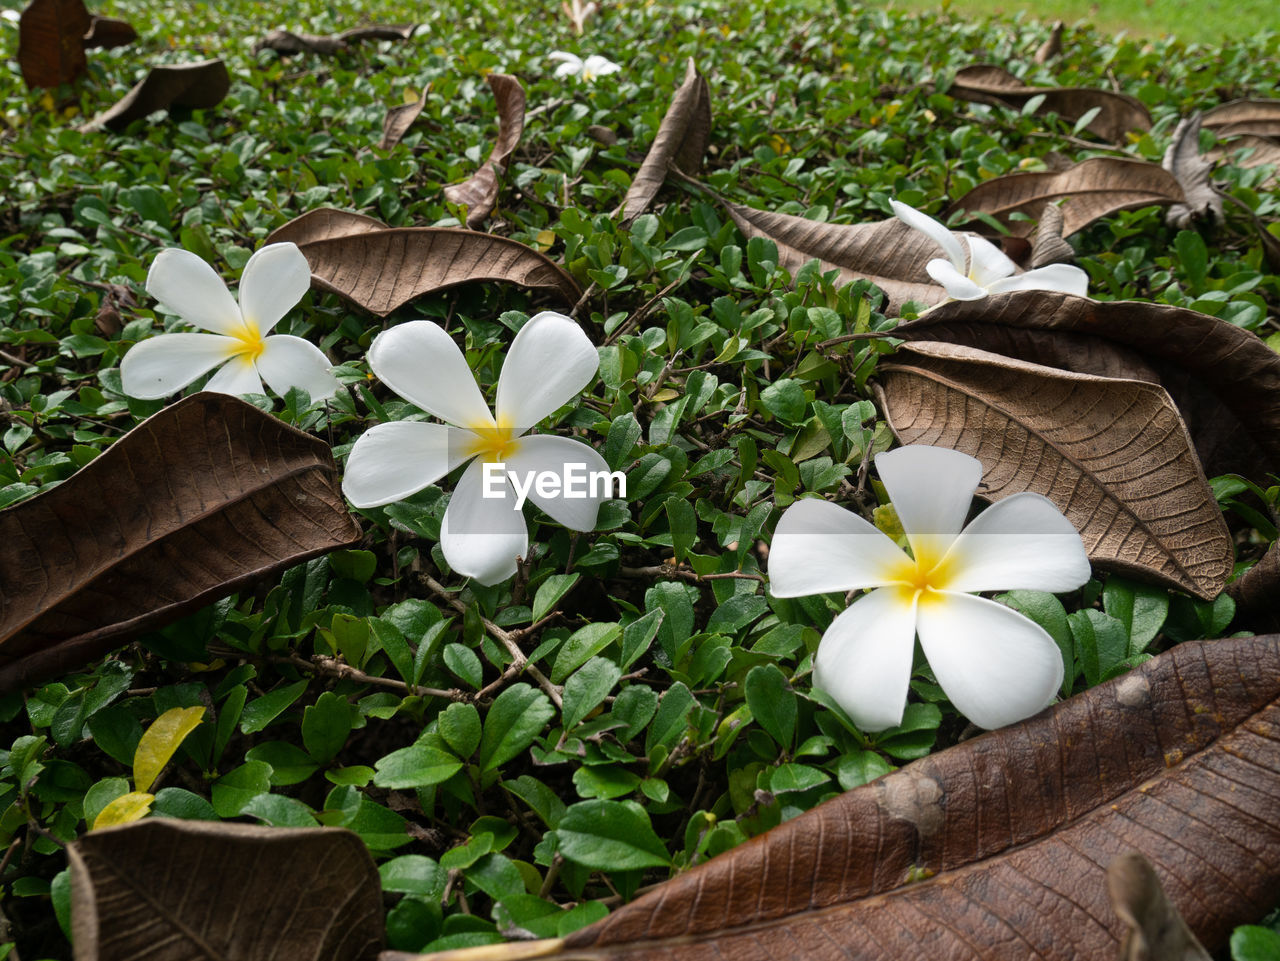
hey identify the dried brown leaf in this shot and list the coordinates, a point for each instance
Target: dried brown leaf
(1117, 113)
(1259, 117)
(998, 848)
(1112, 454)
(1052, 47)
(399, 119)
(107, 33)
(1048, 246)
(480, 193)
(287, 42)
(1225, 381)
(196, 86)
(681, 140)
(1270, 242)
(382, 268)
(1092, 189)
(1191, 169)
(206, 496)
(51, 42)
(888, 252)
(1257, 592)
(1154, 928)
(169, 890)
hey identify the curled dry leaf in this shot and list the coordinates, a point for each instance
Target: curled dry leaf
(285, 41)
(480, 193)
(1154, 928)
(1260, 117)
(400, 118)
(1112, 454)
(1178, 759)
(1116, 115)
(1184, 161)
(1048, 245)
(170, 890)
(681, 140)
(382, 268)
(888, 252)
(1090, 190)
(51, 42)
(106, 33)
(204, 497)
(1225, 381)
(1052, 47)
(1257, 592)
(196, 86)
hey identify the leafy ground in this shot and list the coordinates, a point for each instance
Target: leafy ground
(1192, 21)
(501, 828)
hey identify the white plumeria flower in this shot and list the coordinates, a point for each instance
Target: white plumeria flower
(274, 280)
(549, 363)
(989, 270)
(587, 70)
(995, 665)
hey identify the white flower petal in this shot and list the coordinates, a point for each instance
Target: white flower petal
(274, 280)
(932, 490)
(599, 66)
(390, 462)
(864, 658)
(958, 286)
(1020, 543)
(422, 364)
(565, 56)
(549, 363)
(1062, 277)
(987, 262)
(935, 231)
(238, 376)
(190, 288)
(482, 536)
(167, 363)
(545, 453)
(287, 361)
(996, 666)
(818, 547)
(571, 65)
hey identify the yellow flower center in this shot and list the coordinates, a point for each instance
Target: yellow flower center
(250, 343)
(493, 444)
(924, 576)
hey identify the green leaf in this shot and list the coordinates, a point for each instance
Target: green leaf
(610, 836)
(413, 874)
(1252, 942)
(1102, 643)
(1140, 608)
(465, 665)
(261, 712)
(787, 778)
(515, 719)
(459, 725)
(415, 766)
(860, 767)
(231, 792)
(326, 725)
(670, 720)
(289, 763)
(785, 399)
(582, 645)
(550, 592)
(684, 527)
(771, 702)
(588, 686)
(280, 811)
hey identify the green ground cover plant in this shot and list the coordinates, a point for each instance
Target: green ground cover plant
(524, 757)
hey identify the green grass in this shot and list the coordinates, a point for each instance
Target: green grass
(1191, 21)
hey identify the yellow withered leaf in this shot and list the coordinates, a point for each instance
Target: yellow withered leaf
(160, 740)
(128, 807)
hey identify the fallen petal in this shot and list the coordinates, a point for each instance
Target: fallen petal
(390, 462)
(190, 288)
(483, 536)
(422, 364)
(549, 364)
(287, 361)
(166, 363)
(545, 454)
(819, 547)
(932, 490)
(274, 280)
(1022, 542)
